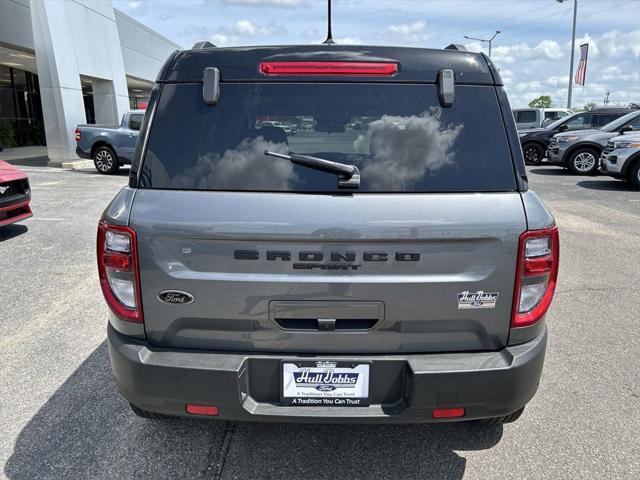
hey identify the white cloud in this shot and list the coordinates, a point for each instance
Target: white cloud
(533, 85)
(525, 53)
(408, 28)
(348, 41)
(245, 27)
(406, 148)
(615, 73)
(220, 39)
(265, 3)
(612, 44)
(507, 76)
(546, 49)
(542, 69)
(240, 32)
(197, 30)
(558, 80)
(245, 166)
(407, 33)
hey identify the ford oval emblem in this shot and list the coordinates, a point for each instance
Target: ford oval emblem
(175, 296)
(325, 388)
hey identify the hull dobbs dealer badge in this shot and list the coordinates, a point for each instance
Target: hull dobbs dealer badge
(468, 300)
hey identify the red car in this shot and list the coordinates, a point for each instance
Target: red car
(15, 194)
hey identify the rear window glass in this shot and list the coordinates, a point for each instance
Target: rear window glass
(397, 136)
(135, 121)
(526, 116)
(602, 120)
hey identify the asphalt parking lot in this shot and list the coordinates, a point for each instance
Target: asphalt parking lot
(62, 418)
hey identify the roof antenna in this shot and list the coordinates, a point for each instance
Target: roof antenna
(329, 39)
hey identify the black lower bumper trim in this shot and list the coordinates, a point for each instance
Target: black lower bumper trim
(403, 388)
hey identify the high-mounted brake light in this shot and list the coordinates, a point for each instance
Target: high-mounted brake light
(118, 271)
(374, 69)
(536, 276)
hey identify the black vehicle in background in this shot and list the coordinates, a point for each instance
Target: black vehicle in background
(535, 141)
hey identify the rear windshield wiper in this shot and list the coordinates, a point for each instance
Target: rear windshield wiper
(348, 175)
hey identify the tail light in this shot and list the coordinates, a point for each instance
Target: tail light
(537, 272)
(118, 270)
(329, 68)
(77, 134)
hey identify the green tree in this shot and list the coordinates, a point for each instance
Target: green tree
(589, 106)
(7, 137)
(543, 101)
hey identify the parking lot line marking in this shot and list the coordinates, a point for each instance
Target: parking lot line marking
(43, 170)
(56, 182)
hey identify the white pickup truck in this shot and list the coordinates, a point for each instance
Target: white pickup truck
(538, 117)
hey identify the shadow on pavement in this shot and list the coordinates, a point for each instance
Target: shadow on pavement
(11, 231)
(86, 430)
(611, 185)
(548, 171)
(123, 172)
(29, 162)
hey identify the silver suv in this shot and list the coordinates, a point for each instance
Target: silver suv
(579, 150)
(386, 264)
(621, 159)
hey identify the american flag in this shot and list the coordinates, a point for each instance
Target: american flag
(581, 73)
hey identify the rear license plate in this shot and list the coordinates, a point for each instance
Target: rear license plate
(325, 383)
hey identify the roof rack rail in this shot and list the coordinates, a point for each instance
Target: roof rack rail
(456, 46)
(201, 45)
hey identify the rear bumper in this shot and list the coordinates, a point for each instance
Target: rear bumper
(82, 153)
(403, 388)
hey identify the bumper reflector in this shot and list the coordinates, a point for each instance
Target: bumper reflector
(202, 409)
(448, 413)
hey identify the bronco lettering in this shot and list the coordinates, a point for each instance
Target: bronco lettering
(335, 256)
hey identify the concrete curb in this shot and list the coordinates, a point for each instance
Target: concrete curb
(75, 164)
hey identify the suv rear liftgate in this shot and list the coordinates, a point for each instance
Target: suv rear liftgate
(304, 239)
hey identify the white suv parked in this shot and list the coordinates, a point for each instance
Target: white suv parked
(621, 159)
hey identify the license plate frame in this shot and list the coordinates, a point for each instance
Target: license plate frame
(326, 383)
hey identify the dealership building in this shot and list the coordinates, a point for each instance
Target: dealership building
(67, 62)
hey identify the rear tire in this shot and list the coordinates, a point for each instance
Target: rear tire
(533, 153)
(584, 161)
(512, 417)
(105, 161)
(634, 175)
(148, 415)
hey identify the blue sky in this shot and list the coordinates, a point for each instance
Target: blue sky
(532, 52)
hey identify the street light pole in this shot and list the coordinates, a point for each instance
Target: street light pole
(573, 50)
(484, 40)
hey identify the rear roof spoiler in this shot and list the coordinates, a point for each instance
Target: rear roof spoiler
(201, 45)
(241, 64)
(456, 46)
